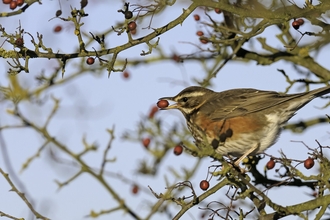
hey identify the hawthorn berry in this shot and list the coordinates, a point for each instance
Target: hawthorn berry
(19, 42)
(309, 163)
(90, 60)
(270, 164)
(131, 26)
(162, 103)
(135, 189)
(300, 21)
(126, 74)
(6, 1)
(20, 2)
(178, 150)
(176, 58)
(200, 33)
(204, 41)
(314, 194)
(153, 111)
(295, 25)
(57, 29)
(204, 185)
(217, 10)
(197, 17)
(146, 142)
(13, 5)
(133, 32)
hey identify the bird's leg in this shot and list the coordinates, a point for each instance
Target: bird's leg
(237, 162)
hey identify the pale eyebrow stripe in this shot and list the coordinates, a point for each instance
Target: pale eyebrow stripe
(194, 94)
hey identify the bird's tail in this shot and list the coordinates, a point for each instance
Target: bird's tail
(320, 92)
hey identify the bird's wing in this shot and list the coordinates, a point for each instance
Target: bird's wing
(238, 102)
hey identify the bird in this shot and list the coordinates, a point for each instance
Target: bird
(238, 122)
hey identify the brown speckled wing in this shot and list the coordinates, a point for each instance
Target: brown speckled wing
(238, 102)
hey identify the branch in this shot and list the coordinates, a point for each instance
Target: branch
(22, 195)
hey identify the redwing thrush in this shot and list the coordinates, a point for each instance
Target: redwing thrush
(238, 122)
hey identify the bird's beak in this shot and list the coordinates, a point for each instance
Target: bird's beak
(174, 106)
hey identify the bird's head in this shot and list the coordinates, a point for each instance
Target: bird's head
(189, 99)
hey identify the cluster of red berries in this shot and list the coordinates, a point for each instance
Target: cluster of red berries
(202, 40)
(131, 26)
(13, 3)
(200, 33)
(197, 17)
(297, 23)
(204, 184)
(308, 163)
(177, 150)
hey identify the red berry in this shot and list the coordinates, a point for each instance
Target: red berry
(133, 31)
(153, 111)
(196, 17)
(204, 41)
(146, 142)
(295, 25)
(314, 194)
(90, 60)
(200, 33)
(270, 164)
(176, 58)
(57, 29)
(13, 5)
(300, 21)
(162, 103)
(135, 189)
(19, 42)
(6, 1)
(131, 26)
(204, 185)
(217, 10)
(126, 74)
(20, 2)
(178, 150)
(309, 163)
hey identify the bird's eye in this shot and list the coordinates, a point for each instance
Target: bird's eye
(184, 99)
